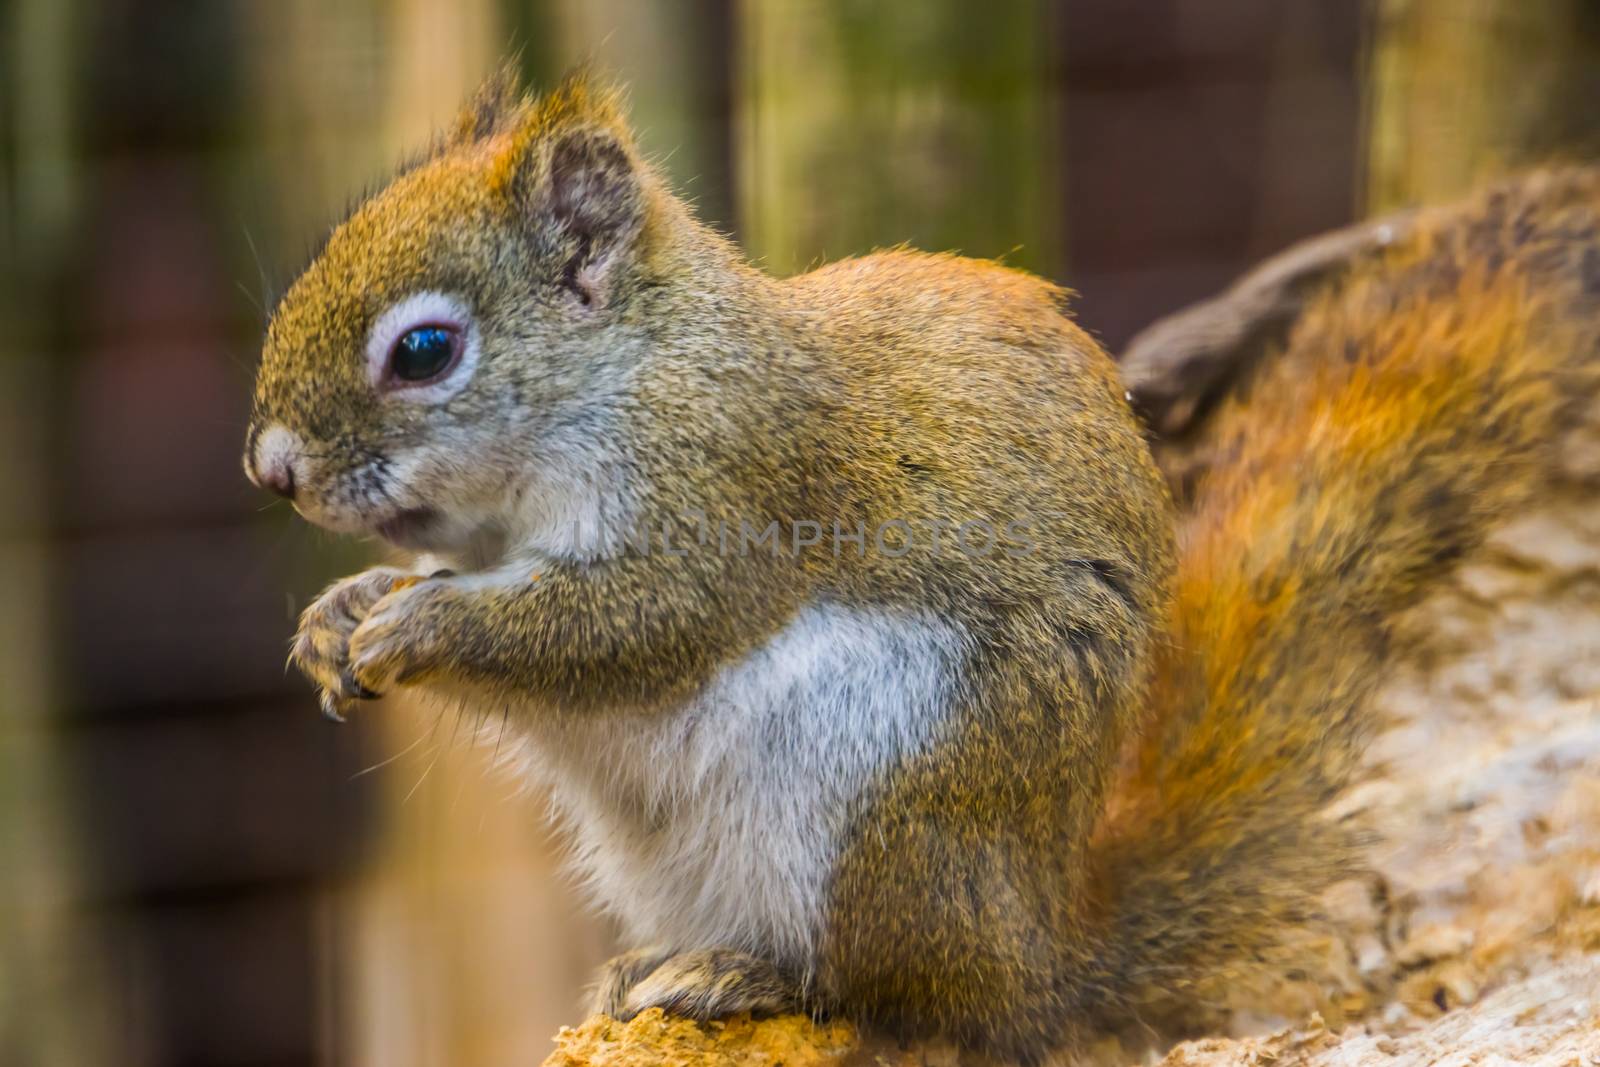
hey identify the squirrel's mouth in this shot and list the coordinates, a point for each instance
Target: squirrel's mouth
(409, 528)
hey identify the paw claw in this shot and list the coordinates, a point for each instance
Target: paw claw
(350, 686)
(330, 706)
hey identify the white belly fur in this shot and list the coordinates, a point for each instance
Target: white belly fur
(717, 824)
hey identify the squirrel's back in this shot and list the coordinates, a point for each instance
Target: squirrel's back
(968, 384)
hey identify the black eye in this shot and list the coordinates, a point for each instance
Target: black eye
(423, 352)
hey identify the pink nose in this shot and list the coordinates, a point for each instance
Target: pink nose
(279, 477)
(272, 456)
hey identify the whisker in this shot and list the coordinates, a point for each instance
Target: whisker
(426, 771)
(248, 295)
(455, 731)
(261, 270)
(385, 762)
(505, 714)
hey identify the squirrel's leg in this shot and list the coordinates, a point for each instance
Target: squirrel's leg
(704, 984)
(960, 904)
(953, 928)
(627, 632)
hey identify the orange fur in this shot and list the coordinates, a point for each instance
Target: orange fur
(1415, 405)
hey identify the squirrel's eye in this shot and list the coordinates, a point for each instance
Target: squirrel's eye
(424, 352)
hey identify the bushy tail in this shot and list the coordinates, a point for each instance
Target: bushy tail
(1414, 407)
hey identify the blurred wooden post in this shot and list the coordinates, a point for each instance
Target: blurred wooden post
(471, 944)
(1464, 89)
(461, 941)
(454, 943)
(675, 59)
(53, 1004)
(53, 1001)
(864, 126)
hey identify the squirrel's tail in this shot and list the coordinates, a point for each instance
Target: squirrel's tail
(1415, 405)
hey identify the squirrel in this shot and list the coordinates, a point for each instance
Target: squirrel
(680, 522)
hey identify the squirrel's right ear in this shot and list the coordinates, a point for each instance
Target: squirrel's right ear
(579, 187)
(492, 108)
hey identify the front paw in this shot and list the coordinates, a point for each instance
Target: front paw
(321, 646)
(708, 984)
(405, 636)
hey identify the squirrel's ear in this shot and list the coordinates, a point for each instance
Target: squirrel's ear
(593, 191)
(579, 188)
(492, 108)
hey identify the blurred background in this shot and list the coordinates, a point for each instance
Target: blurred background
(195, 868)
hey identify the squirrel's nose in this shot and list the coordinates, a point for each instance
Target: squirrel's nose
(272, 460)
(280, 479)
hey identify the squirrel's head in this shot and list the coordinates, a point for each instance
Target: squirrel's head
(463, 333)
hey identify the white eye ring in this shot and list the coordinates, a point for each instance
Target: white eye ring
(426, 308)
